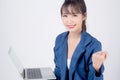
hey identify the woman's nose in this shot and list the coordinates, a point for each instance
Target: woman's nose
(69, 20)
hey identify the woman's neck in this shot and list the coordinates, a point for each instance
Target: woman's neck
(74, 35)
(73, 41)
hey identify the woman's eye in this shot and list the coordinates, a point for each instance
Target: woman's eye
(74, 15)
(64, 15)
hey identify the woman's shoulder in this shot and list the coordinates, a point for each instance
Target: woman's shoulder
(90, 41)
(62, 36)
(90, 37)
(60, 39)
(92, 45)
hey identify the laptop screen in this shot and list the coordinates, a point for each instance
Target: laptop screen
(16, 61)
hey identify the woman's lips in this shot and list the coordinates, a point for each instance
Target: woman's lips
(71, 26)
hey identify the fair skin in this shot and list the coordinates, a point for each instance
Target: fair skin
(98, 58)
(73, 23)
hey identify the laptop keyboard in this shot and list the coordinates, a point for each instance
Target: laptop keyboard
(34, 73)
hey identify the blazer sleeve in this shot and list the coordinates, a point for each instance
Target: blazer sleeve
(93, 74)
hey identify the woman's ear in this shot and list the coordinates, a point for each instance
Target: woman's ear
(84, 16)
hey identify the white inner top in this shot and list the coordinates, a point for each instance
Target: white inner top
(68, 62)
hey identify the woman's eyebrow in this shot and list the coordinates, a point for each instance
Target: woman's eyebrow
(65, 13)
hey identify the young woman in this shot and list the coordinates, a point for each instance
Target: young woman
(78, 55)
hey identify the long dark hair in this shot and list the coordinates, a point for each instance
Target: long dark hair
(76, 6)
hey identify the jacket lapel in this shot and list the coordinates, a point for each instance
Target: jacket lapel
(78, 53)
(64, 63)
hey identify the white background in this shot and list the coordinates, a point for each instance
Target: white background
(31, 26)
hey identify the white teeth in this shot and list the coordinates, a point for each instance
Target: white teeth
(73, 25)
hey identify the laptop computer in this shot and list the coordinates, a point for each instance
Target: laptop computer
(43, 73)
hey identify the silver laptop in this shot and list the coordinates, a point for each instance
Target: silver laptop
(44, 73)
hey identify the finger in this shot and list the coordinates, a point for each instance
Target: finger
(103, 53)
(98, 53)
(106, 55)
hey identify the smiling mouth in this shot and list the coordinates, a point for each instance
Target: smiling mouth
(71, 26)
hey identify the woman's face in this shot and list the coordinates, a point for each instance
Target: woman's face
(73, 22)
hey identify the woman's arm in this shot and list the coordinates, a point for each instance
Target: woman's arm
(96, 66)
(98, 59)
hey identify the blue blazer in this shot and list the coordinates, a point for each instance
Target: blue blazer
(81, 63)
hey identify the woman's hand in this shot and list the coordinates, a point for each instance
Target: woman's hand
(98, 58)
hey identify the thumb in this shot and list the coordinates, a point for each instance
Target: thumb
(105, 55)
